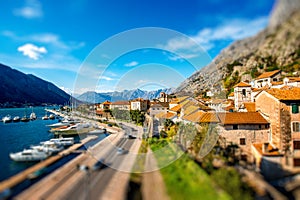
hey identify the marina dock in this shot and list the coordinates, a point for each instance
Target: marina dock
(18, 178)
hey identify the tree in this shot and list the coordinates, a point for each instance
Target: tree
(168, 124)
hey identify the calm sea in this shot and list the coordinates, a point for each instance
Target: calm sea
(17, 136)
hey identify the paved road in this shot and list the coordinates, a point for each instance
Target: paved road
(71, 183)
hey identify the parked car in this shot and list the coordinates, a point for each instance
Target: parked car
(131, 137)
(100, 164)
(121, 150)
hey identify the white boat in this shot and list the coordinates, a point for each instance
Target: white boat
(7, 119)
(32, 116)
(59, 124)
(48, 147)
(25, 119)
(45, 117)
(51, 116)
(16, 119)
(63, 141)
(79, 128)
(29, 155)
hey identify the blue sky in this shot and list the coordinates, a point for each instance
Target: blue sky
(62, 41)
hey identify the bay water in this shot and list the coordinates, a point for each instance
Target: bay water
(16, 136)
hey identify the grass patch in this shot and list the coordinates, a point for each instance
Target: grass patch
(184, 179)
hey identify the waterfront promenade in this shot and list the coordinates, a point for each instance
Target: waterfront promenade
(70, 182)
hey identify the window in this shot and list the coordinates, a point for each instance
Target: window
(296, 126)
(242, 141)
(296, 162)
(259, 126)
(244, 92)
(296, 144)
(295, 108)
(235, 127)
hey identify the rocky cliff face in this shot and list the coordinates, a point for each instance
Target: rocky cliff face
(276, 47)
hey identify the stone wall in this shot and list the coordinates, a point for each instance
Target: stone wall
(250, 135)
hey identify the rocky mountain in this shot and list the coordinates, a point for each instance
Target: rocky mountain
(94, 97)
(276, 47)
(18, 89)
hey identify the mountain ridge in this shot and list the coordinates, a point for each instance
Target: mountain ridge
(275, 47)
(94, 97)
(18, 89)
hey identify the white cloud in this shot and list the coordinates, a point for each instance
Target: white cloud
(207, 38)
(131, 64)
(106, 78)
(32, 9)
(32, 51)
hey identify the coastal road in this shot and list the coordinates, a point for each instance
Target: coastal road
(111, 182)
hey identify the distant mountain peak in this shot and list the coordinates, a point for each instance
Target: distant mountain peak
(123, 95)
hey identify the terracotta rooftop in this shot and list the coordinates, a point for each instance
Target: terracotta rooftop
(277, 83)
(231, 94)
(204, 107)
(176, 108)
(271, 151)
(160, 104)
(268, 74)
(190, 109)
(294, 79)
(242, 118)
(285, 93)
(242, 84)
(250, 106)
(209, 118)
(167, 115)
(106, 102)
(202, 117)
(194, 117)
(181, 99)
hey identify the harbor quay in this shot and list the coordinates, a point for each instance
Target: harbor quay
(16, 179)
(77, 180)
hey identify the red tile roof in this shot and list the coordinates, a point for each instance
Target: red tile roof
(285, 93)
(209, 118)
(242, 118)
(193, 117)
(242, 84)
(250, 106)
(271, 151)
(167, 115)
(268, 74)
(231, 94)
(176, 108)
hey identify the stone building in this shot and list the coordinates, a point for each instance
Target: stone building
(121, 105)
(139, 104)
(163, 97)
(281, 108)
(157, 107)
(243, 129)
(266, 79)
(242, 93)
